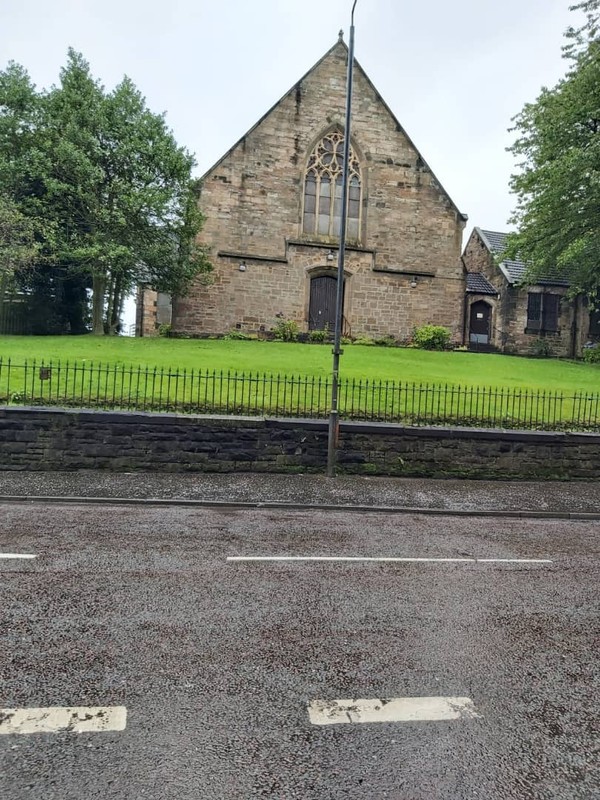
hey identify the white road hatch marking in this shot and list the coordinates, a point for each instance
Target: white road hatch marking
(385, 559)
(16, 555)
(396, 709)
(83, 719)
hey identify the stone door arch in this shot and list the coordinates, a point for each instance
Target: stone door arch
(480, 322)
(321, 309)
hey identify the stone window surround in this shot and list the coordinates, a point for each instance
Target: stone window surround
(541, 330)
(594, 328)
(356, 171)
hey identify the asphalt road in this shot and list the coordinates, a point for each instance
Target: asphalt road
(217, 661)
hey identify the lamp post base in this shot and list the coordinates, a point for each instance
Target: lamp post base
(332, 442)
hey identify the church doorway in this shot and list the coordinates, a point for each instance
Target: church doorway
(479, 328)
(321, 310)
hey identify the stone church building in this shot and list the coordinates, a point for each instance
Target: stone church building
(273, 203)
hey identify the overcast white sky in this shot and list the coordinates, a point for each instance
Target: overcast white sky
(453, 71)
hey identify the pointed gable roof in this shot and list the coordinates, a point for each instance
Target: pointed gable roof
(340, 44)
(477, 283)
(514, 270)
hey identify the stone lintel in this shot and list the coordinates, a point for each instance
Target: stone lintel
(249, 257)
(409, 272)
(330, 246)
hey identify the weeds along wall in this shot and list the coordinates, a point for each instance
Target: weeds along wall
(50, 439)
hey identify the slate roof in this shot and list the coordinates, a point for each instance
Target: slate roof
(513, 270)
(479, 284)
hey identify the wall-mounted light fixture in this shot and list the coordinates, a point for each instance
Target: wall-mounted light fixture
(413, 283)
(242, 267)
(330, 255)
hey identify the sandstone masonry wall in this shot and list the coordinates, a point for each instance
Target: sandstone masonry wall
(50, 439)
(253, 198)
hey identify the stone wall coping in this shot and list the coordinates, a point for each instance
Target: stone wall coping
(443, 432)
(132, 417)
(351, 427)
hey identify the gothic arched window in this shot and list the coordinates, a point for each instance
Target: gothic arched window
(323, 189)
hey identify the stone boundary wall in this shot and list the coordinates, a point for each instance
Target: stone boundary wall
(51, 439)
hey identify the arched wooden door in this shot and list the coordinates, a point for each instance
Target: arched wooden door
(321, 310)
(479, 323)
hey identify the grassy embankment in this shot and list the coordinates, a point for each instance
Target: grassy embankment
(102, 377)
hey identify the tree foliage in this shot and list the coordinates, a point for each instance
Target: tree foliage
(18, 246)
(111, 190)
(558, 183)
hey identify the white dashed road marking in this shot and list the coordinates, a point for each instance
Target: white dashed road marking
(84, 719)
(16, 555)
(385, 559)
(396, 709)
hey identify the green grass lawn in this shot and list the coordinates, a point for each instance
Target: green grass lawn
(379, 363)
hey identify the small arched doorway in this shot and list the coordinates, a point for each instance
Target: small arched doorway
(321, 309)
(480, 323)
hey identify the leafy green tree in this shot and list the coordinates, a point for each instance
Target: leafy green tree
(109, 192)
(18, 246)
(123, 190)
(558, 183)
(56, 299)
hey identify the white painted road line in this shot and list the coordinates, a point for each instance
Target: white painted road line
(385, 559)
(85, 719)
(16, 555)
(395, 709)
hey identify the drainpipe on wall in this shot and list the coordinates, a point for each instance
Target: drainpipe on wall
(574, 331)
(139, 311)
(466, 340)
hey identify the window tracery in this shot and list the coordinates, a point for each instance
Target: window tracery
(323, 189)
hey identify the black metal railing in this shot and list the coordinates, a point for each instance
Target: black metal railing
(136, 388)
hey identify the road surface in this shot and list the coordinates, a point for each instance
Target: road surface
(472, 672)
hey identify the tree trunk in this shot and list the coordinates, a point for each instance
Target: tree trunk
(115, 302)
(76, 304)
(98, 292)
(109, 294)
(2, 300)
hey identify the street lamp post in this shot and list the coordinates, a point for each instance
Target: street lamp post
(334, 421)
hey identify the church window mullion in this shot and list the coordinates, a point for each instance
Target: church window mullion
(322, 209)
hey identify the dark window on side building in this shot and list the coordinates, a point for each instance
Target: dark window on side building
(542, 312)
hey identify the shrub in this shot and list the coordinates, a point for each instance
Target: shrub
(237, 335)
(346, 340)
(286, 330)
(431, 337)
(164, 329)
(364, 341)
(592, 354)
(385, 341)
(319, 336)
(541, 348)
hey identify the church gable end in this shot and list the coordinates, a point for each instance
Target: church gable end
(273, 201)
